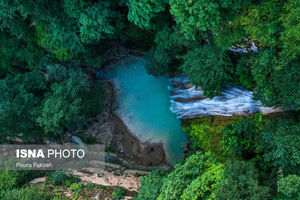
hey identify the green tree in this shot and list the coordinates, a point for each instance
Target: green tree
(18, 56)
(261, 22)
(277, 81)
(289, 187)
(33, 193)
(99, 21)
(59, 39)
(158, 60)
(204, 187)
(150, 185)
(204, 134)
(233, 6)
(118, 194)
(208, 67)
(290, 36)
(21, 96)
(185, 174)
(241, 182)
(145, 13)
(63, 107)
(71, 99)
(280, 144)
(170, 37)
(240, 138)
(8, 180)
(243, 72)
(73, 8)
(57, 100)
(196, 16)
(229, 35)
(11, 20)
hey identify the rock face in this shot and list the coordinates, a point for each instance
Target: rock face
(126, 180)
(180, 87)
(111, 175)
(268, 110)
(37, 180)
(109, 130)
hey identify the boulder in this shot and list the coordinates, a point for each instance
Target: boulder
(188, 85)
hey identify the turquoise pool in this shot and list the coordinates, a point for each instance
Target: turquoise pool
(143, 103)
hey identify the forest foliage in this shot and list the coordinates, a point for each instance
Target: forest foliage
(247, 158)
(46, 45)
(189, 37)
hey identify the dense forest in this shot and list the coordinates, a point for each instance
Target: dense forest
(48, 46)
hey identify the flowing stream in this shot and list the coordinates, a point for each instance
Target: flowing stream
(152, 107)
(190, 102)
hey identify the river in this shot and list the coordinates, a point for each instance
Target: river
(152, 107)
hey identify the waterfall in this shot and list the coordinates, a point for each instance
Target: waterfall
(253, 48)
(190, 102)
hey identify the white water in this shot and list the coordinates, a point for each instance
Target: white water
(144, 103)
(187, 103)
(253, 48)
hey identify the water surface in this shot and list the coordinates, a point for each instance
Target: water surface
(190, 103)
(143, 103)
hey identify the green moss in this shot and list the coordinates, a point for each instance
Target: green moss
(206, 132)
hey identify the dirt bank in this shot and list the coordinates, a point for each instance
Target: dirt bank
(109, 130)
(111, 176)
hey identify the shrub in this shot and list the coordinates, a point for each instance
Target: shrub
(289, 187)
(118, 194)
(33, 193)
(61, 178)
(239, 138)
(150, 185)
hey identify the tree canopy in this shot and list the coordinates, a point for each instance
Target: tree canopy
(50, 47)
(208, 67)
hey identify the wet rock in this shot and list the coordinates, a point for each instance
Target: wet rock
(268, 110)
(243, 112)
(188, 85)
(198, 88)
(127, 179)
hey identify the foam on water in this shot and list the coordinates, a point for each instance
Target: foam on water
(150, 107)
(232, 101)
